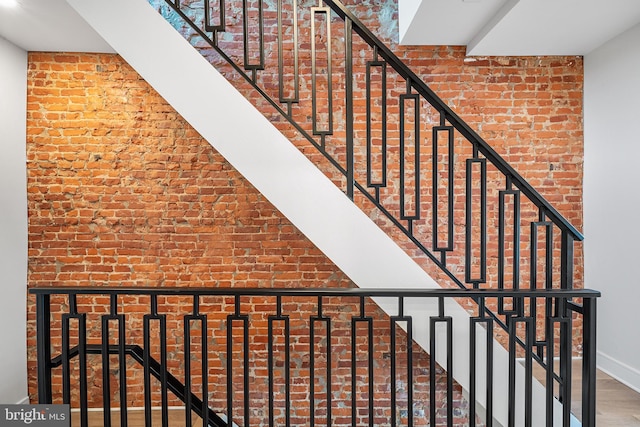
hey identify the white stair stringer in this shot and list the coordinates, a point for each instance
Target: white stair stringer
(275, 167)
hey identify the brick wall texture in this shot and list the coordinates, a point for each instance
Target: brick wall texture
(123, 192)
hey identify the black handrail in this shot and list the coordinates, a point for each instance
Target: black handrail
(322, 292)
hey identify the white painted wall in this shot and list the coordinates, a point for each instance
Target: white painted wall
(612, 200)
(13, 223)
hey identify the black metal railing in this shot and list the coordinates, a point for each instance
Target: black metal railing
(307, 356)
(388, 136)
(395, 145)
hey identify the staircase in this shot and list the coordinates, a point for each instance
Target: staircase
(374, 150)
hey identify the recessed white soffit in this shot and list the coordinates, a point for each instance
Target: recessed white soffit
(516, 27)
(48, 25)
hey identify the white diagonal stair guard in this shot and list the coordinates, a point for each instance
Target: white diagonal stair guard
(238, 131)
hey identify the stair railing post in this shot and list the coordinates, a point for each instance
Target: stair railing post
(589, 362)
(43, 340)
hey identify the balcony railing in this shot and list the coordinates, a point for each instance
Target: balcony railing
(316, 357)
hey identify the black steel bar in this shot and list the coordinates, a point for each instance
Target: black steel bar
(245, 365)
(470, 216)
(393, 323)
(312, 321)
(162, 320)
(566, 352)
(247, 31)
(516, 306)
(43, 342)
(281, 50)
(66, 357)
(589, 326)
(566, 260)
(435, 182)
(202, 319)
(383, 126)
(416, 155)
(548, 273)
(348, 88)
(66, 376)
(106, 370)
(82, 347)
(474, 322)
(287, 367)
(396, 291)
(433, 321)
(355, 396)
(528, 375)
(207, 16)
(314, 73)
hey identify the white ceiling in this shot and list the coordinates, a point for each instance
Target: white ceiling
(486, 27)
(516, 27)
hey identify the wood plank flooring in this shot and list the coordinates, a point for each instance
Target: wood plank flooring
(136, 418)
(617, 405)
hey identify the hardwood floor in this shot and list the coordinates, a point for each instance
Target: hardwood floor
(136, 418)
(617, 406)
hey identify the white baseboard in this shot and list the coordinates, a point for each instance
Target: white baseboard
(622, 372)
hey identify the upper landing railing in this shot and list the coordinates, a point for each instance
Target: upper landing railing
(389, 136)
(308, 357)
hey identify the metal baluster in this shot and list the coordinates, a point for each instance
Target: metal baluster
(320, 318)
(566, 261)
(207, 16)
(246, 32)
(448, 321)
(162, 323)
(121, 352)
(82, 355)
(566, 350)
(394, 321)
(237, 317)
(528, 379)
(548, 273)
(43, 339)
(448, 246)
(482, 232)
(474, 322)
(281, 51)
(368, 322)
(279, 317)
(516, 305)
(589, 326)
(382, 181)
(314, 75)
(348, 73)
(415, 99)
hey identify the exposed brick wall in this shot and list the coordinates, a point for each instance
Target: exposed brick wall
(123, 192)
